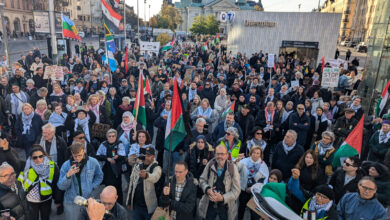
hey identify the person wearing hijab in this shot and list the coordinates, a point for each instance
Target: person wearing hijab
(28, 127)
(39, 180)
(380, 143)
(127, 129)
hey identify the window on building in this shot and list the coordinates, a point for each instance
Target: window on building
(12, 4)
(78, 8)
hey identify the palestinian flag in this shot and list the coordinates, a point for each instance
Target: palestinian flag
(229, 109)
(147, 87)
(69, 30)
(175, 130)
(127, 60)
(217, 39)
(139, 105)
(169, 45)
(204, 47)
(382, 100)
(352, 146)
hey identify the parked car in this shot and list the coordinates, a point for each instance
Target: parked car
(81, 34)
(343, 43)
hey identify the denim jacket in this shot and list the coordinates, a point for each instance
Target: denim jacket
(91, 176)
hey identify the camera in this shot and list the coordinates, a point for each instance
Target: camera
(142, 153)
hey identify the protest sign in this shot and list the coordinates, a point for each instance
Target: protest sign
(59, 74)
(295, 83)
(149, 47)
(271, 60)
(49, 72)
(330, 77)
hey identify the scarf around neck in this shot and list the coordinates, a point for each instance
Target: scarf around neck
(58, 120)
(206, 112)
(43, 169)
(267, 116)
(261, 143)
(323, 148)
(15, 101)
(319, 209)
(27, 121)
(355, 108)
(83, 124)
(41, 114)
(286, 148)
(53, 148)
(384, 137)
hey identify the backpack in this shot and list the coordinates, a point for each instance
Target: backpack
(159, 185)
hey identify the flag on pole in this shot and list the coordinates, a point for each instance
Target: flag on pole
(139, 105)
(69, 30)
(352, 145)
(127, 59)
(111, 17)
(147, 86)
(175, 130)
(323, 64)
(229, 109)
(382, 100)
(169, 45)
(110, 47)
(217, 39)
(205, 47)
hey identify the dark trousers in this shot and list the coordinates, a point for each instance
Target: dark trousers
(243, 199)
(213, 212)
(40, 209)
(140, 213)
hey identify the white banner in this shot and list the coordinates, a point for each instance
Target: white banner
(330, 77)
(271, 60)
(41, 22)
(150, 47)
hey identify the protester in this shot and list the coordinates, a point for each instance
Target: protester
(324, 151)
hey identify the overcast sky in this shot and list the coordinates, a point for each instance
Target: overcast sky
(269, 5)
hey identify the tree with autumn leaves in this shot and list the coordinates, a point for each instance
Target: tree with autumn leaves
(168, 18)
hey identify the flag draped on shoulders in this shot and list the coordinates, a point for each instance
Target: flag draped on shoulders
(110, 47)
(69, 30)
(229, 109)
(139, 106)
(175, 130)
(382, 100)
(352, 145)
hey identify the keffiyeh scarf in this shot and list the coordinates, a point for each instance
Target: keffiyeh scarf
(27, 120)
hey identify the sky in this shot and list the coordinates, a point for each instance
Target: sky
(269, 5)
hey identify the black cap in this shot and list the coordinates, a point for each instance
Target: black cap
(349, 110)
(149, 151)
(325, 190)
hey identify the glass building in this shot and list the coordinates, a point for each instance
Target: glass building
(377, 68)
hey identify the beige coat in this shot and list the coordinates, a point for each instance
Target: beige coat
(232, 188)
(149, 191)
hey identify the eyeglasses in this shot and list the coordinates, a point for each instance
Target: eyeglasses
(259, 133)
(36, 157)
(111, 136)
(228, 134)
(368, 189)
(321, 196)
(301, 109)
(80, 138)
(348, 164)
(13, 174)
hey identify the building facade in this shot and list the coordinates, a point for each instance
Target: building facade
(362, 20)
(189, 9)
(18, 17)
(377, 69)
(285, 32)
(347, 9)
(87, 15)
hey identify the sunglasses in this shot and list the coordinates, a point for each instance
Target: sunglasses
(81, 138)
(36, 157)
(348, 164)
(228, 134)
(259, 133)
(301, 109)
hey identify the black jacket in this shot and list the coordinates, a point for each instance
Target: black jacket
(185, 206)
(35, 130)
(17, 203)
(337, 181)
(11, 156)
(306, 180)
(285, 162)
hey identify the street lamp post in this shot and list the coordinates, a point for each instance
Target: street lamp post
(5, 34)
(138, 17)
(53, 31)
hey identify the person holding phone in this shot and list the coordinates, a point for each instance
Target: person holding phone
(79, 176)
(39, 180)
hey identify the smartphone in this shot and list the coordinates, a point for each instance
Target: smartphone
(5, 213)
(75, 164)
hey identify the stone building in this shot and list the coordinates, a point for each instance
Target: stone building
(18, 17)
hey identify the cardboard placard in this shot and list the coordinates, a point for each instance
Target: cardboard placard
(99, 130)
(330, 77)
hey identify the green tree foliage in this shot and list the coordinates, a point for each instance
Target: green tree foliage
(169, 17)
(163, 38)
(208, 25)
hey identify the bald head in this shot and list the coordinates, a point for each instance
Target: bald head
(108, 197)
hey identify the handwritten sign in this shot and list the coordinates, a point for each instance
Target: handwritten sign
(330, 77)
(49, 71)
(55, 73)
(295, 83)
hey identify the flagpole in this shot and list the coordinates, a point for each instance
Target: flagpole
(124, 18)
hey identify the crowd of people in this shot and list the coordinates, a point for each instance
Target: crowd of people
(246, 124)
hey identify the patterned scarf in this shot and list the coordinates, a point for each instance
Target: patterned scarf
(41, 114)
(83, 124)
(287, 148)
(127, 127)
(43, 169)
(53, 148)
(27, 120)
(323, 148)
(206, 112)
(267, 117)
(355, 108)
(383, 137)
(319, 209)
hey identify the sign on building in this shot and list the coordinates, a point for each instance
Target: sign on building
(330, 77)
(150, 47)
(41, 22)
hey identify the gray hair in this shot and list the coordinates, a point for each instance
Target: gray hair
(5, 166)
(49, 126)
(112, 89)
(127, 99)
(41, 102)
(112, 131)
(30, 81)
(199, 120)
(294, 133)
(41, 90)
(328, 134)
(234, 131)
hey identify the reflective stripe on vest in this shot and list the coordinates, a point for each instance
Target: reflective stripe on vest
(45, 185)
(235, 151)
(305, 207)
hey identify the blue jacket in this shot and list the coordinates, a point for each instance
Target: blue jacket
(352, 207)
(91, 176)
